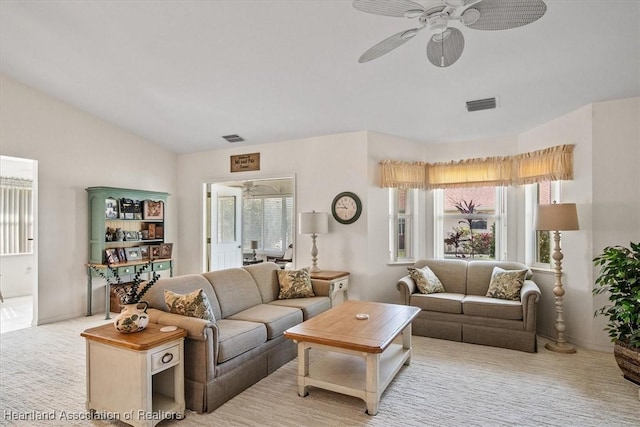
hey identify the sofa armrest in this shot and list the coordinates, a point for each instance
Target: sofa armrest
(196, 328)
(529, 296)
(321, 287)
(406, 286)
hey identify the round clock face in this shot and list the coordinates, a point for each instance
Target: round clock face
(346, 208)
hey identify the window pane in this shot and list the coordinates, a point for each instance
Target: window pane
(269, 221)
(543, 238)
(469, 223)
(401, 224)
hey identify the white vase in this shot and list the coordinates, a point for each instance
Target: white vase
(132, 319)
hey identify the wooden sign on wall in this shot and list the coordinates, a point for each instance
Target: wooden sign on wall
(245, 162)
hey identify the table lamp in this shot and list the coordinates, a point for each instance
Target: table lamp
(313, 223)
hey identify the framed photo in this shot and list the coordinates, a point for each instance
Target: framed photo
(111, 256)
(133, 254)
(152, 210)
(165, 250)
(152, 231)
(122, 255)
(110, 208)
(154, 251)
(159, 232)
(144, 252)
(131, 235)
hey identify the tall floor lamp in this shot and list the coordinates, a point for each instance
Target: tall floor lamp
(313, 223)
(558, 217)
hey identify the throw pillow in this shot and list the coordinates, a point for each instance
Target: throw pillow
(295, 284)
(506, 284)
(426, 280)
(195, 304)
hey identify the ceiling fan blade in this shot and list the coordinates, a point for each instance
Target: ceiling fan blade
(444, 49)
(388, 44)
(397, 8)
(503, 15)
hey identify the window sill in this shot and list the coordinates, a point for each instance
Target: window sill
(400, 263)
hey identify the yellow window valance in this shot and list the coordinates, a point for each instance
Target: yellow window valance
(492, 171)
(403, 175)
(549, 164)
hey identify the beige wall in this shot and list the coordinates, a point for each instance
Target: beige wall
(74, 151)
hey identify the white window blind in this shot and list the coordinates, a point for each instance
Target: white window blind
(16, 215)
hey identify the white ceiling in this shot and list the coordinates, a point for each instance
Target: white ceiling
(184, 73)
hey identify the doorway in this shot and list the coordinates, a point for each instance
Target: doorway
(18, 250)
(248, 221)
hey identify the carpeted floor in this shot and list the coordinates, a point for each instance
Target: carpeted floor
(448, 384)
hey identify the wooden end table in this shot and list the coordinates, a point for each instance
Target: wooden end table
(338, 284)
(362, 357)
(137, 378)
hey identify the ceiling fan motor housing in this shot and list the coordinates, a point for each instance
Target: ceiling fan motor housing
(437, 22)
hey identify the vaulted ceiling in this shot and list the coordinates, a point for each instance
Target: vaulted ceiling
(185, 73)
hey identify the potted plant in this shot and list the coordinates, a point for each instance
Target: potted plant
(132, 318)
(620, 279)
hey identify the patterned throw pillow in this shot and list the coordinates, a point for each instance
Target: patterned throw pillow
(506, 284)
(426, 280)
(196, 304)
(295, 284)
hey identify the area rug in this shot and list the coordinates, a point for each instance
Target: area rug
(42, 378)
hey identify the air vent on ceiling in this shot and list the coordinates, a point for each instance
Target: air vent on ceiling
(481, 104)
(233, 138)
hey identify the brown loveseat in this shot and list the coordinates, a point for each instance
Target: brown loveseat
(245, 343)
(464, 313)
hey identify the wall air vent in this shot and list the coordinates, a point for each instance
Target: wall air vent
(481, 104)
(233, 138)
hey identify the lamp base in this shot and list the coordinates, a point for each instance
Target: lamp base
(560, 347)
(314, 269)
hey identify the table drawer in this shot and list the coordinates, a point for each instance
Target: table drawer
(165, 358)
(161, 265)
(341, 285)
(130, 269)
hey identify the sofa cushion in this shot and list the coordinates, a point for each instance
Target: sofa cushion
(194, 304)
(479, 274)
(310, 306)
(183, 285)
(442, 302)
(426, 280)
(474, 305)
(295, 284)
(506, 284)
(235, 288)
(451, 272)
(237, 336)
(276, 318)
(264, 274)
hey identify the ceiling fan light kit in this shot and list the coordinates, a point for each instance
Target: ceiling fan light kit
(446, 43)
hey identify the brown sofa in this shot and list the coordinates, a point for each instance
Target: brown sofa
(245, 343)
(464, 313)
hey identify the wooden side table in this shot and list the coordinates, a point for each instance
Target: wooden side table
(137, 378)
(338, 284)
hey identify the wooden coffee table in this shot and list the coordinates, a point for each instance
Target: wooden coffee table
(362, 356)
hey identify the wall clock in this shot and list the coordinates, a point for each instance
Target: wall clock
(346, 207)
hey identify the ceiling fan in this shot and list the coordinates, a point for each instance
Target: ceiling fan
(446, 43)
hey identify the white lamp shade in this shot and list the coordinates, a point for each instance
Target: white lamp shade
(313, 222)
(557, 217)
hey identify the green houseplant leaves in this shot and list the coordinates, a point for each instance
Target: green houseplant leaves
(620, 278)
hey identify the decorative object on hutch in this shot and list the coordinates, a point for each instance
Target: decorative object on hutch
(132, 318)
(558, 217)
(314, 223)
(130, 212)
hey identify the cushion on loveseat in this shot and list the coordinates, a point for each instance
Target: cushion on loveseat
(495, 308)
(277, 319)
(440, 302)
(479, 274)
(452, 273)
